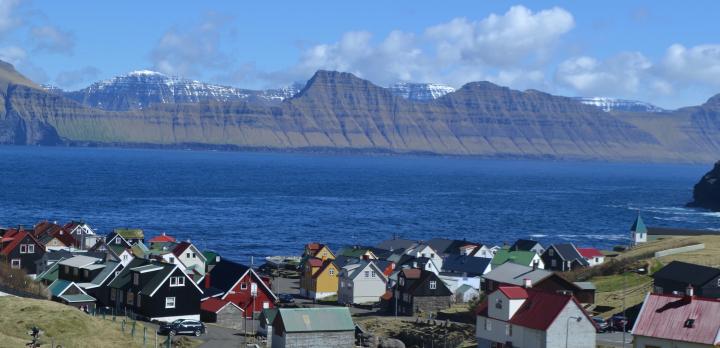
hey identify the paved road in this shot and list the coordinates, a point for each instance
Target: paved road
(215, 337)
(614, 339)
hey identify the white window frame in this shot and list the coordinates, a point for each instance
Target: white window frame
(332, 272)
(169, 302)
(31, 248)
(433, 285)
(372, 274)
(15, 263)
(508, 330)
(117, 240)
(367, 274)
(177, 281)
(243, 286)
(551, 252)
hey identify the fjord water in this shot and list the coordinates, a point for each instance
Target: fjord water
(258, 204)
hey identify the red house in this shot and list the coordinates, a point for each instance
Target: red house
(240, 285)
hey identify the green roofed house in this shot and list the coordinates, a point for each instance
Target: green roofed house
(71, 294)
(132, 235)
(638, 231)
(212, 259)
(520, 257)
(313, 327)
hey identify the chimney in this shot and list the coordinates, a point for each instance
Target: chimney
(217, 258)
(415, 264)
(689, 292)
(207, 280)
(527, 283)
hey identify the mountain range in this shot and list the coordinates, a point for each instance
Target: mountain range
(336, 111)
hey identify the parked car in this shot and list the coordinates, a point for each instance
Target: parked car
(182, 326)
(286, 298)
(601, 324)
(619, 323)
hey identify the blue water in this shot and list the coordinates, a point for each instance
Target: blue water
(259, 204)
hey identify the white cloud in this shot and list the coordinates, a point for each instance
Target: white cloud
(698, 64)
(8, 19)
(52, 39)
(12, 54)
(621, 74)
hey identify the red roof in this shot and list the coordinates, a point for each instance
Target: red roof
(315, 262)
(17, 238)
(513, 292)
(589, 253)
(412, 273)
(180, 248)
(163, 238)
(666, 316)
(214, 305)
(64, 237)
(322, 269)
(539, 310)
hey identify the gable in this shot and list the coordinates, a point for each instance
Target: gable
(251, 275)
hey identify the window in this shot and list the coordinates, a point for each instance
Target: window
(432, 255)
(194, 255)
(498, 303)
(508, 330)
(125, 257)
(171, 259)
(597, 259)
(136, 278)
(76, 272)
(433, 285)
(332, 272)
(188, 255)
(86, 273)
(117, 273)
(553, 262)
(177, 281)
(402, 281)
(112, 294)
(130, 298)
(117, 240)
(243, 286)
(372, 274)
(367, 274)
(15, 263)
(488, 325)
(137, 303)
(66, 269)
(551, 252)
(31, 248)
(169, 302)
(23, 249)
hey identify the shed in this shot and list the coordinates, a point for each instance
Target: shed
(223, 313)
(466, 293)
(313, 327)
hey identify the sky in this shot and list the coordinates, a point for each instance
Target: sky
(663, 52)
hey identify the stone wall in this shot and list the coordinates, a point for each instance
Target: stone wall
(431, 304)
(316, 339)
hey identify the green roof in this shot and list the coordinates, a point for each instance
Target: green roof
(269, 314)
(353, 252)
(58, 286)
(130, 233)
(316, 319)
(638, 226)
(78, 298)
(163, 269)
(117, 249)
(51, 274)
(210, 256)
(520, 257)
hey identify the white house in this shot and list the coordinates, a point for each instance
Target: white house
(638, 231)
(593, 256)
(191, 257)
(83, 233)
(423, 250)
(362, 282)
(525, 317)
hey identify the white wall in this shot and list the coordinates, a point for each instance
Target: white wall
(582, 334)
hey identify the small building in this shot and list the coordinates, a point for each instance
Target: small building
(528, 245)
(593, 256)
(71, 294)
(462, 270)
(677, 321)
(265, 322)
(313, 327)
(466, 293)
(675, 277)
(21, 250)
(223, 313)
(520, 257)
(513, 316)
(563, 257)
(638, 231)
(83, 234)
(418, 291)
(362, 282)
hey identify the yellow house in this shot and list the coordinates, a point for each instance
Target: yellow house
(319, 278)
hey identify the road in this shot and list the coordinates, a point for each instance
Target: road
(215, 337)
(614, 339)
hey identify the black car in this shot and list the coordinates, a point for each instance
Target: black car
(286, 298)
(600, 324)
(182, 326)
(620, 323)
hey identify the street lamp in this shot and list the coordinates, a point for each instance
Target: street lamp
(567, 328)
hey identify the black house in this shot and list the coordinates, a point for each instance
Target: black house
(21, 250)
(91, 274)
(676, 276)
(563, 257)
(155, 291)
(417, 291)
(528, 245)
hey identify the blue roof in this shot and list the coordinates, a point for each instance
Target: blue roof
(638, 226)
(473, 266)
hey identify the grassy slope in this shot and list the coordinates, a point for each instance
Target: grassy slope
(68, 326)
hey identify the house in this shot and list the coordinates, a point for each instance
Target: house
(241, 285)
(462, 270)
(155, 291)
(563, 257)
(424, 250)
(21, 250)
(418, 290)
(677, 321)
(313, 327)
(191, 257)
(360, 283)
(161, 239)
(267, 316)
(396, 243)
(638, 231)
(358, 252)
(514, 316)
(675, 277)
(318, 250)
(50, 257)
(466, 293)
(520, 257)
(528, 245)
(593, 256)
(58, 240)
(454, 247)
(114, 252)
(510, 274)
(91, 274)
(83, 233)
(223, 313)
(125, 236)
(71, 294)
(319, 273)
(409, 261)
(212, 259)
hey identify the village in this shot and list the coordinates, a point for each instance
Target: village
(660, 291)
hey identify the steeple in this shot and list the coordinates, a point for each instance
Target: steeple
(638, 230)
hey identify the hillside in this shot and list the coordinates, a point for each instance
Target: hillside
(68, 326)
(341, 112)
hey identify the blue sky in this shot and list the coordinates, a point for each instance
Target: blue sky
(664, 52)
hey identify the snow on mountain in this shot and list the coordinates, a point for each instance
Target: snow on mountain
(141, 88)
(613, 104)
(420, 91)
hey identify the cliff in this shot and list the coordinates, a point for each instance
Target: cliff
(706, 193)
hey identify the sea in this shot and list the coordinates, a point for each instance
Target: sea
(249, 205)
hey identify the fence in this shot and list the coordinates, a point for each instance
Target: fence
(684, 249)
